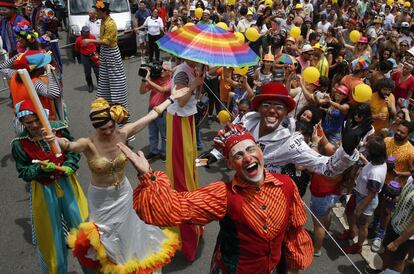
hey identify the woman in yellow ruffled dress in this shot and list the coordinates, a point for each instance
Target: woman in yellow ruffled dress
(115, 240)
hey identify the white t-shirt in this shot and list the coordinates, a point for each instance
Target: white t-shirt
(323, 27)
(244, 24)
(370, 172)
(307, 8)
(154, 26)
(94, 27)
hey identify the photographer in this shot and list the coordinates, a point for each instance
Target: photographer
(157, 81)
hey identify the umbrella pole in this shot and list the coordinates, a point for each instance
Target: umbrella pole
(215, 96)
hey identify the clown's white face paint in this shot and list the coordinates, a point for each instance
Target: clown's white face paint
(246, 158)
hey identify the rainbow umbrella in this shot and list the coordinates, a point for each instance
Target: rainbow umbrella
(285, 58)
(208, 44)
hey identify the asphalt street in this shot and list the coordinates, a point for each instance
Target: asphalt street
(17, 254)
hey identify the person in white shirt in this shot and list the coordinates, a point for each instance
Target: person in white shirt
(389, 18)
(323, 24)
(246, 23)
(94, 23)
(307, 8)
(155, 29)
(364, 199)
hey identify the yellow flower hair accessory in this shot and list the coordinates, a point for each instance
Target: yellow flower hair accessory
(100, 4)
(119, 114)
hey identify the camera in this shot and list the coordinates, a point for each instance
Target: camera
(155, 70)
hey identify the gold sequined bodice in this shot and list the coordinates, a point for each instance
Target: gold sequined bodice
(102, 166)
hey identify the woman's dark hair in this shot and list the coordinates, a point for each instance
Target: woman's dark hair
(390, 50)
(331, 30)
(305, 128)
(324, 81)
(243, 10)
(362, 110)
(316, 114)
(377, 152)
(385, 66)
(343, 68)
(384, 83)
(244, 101)
(200, 4)
(313, 36)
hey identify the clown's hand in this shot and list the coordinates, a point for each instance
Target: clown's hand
(49, 167)
(138, 159)
(352, 134)
(68, 170)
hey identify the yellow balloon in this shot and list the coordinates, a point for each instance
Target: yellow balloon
(224, 116)
(242, 71)
(269, 3)
(239, 36)
(407, 4)
(401, 2)
(189, 24)
(198, 13)
(354, 36)
(362, 93)
(311, 75)
(222, 25)
(295, 32)
(231, 2)
(334, 1)
(252, 34)
(390, 2)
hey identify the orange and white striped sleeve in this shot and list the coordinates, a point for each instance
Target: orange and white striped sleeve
(156, 203)
(298, 245)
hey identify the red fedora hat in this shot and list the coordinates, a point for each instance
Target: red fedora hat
(273, 92)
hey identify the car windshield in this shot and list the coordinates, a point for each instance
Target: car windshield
(81, 7)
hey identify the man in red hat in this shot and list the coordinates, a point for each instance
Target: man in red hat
(8, 11)
(260, 213)
(275, 133)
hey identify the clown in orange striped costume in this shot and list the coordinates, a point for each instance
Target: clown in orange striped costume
(260, 213)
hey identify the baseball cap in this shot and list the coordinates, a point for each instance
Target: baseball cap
(307, 48)
(405, 25)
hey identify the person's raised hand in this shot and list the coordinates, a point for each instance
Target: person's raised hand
(392, 246)
(48, 138)
(178, 93)
(138, 159)
(352, 134)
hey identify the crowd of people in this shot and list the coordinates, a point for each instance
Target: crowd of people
(283, 135)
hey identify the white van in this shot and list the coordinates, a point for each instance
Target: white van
(120, 12)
